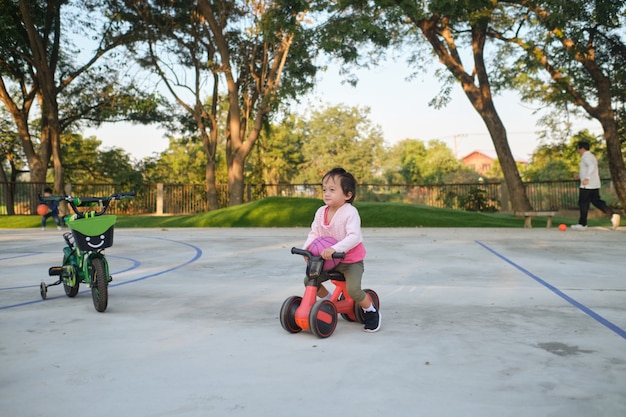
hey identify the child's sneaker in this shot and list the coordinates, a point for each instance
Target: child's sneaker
(372, 321)
(578, 227)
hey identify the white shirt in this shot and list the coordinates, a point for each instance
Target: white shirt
(589, 170)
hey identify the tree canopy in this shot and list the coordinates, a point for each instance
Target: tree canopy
(49, 84)
(231, 68)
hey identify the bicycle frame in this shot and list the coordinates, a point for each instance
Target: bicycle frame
(84, 260)
(76, 263)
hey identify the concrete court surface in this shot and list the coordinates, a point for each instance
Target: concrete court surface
(476, 322)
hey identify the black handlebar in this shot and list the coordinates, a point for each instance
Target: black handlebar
(76, 202)
(304, 252)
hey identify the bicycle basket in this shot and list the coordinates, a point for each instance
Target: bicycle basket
(93, 233)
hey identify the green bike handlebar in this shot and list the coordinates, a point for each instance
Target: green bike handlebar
(76, 202)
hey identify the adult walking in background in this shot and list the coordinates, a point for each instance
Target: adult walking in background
(589, 192)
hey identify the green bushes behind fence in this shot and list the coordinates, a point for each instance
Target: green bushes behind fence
(21, 198)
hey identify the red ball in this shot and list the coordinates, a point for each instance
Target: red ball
(562, 227)
(318, 245)
(43, 209)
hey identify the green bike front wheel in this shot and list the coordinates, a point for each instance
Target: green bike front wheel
(99, 284)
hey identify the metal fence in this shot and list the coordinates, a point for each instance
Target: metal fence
(21, 198)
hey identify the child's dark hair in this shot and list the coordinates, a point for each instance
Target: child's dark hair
(47, 190)
(347, 181)
(583, 144)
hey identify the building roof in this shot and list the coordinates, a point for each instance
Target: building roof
(491, 154)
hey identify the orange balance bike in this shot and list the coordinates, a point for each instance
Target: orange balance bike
(320, 316)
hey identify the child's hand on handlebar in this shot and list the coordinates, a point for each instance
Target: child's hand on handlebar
(328, 253)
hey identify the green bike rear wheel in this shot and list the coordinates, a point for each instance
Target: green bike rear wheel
(70, 290)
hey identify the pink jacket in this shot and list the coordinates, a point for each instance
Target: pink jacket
(345, 227)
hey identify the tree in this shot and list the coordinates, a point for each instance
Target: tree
(572, 53)
(439, 163)
(340, 136)
(254, 53)
(42, 70)
(278, 153)
(412, 152)
(11, 159)
(445, 26)
(84, 162)
(418, 163)
(183, 162)
(449, 27)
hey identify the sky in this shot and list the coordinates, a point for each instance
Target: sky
(399, 107)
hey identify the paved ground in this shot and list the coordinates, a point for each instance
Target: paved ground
(476, 322)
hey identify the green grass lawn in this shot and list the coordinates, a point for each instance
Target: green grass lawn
(298, 212)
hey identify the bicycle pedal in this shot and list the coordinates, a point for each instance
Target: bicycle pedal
(55, 270)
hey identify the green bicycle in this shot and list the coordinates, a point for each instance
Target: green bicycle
(91, 231)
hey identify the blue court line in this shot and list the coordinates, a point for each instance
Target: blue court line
(165, 271)
(21, 255)
(135, 265)
(620, 332)
(198, 255)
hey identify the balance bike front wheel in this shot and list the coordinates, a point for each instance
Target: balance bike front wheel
(43, 290)
(323, 318)
(288, 314)
(99, 285)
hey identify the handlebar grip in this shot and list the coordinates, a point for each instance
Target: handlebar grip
(298, 251)
(51, 197)
(121, 196)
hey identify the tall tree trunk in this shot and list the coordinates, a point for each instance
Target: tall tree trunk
(9, 190)
(583, 51)
(435, 29)
(616, 157)
(209, 142)
(235, 180)
(57, 163)
(47, 94)
(211, 185)
(497, 131)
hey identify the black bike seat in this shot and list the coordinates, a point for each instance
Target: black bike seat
(336, 276)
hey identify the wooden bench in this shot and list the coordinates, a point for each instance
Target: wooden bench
(528, 215)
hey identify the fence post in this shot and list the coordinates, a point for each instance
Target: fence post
(159, 199)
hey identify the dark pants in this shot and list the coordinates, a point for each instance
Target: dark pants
(587, 197)
(55, 217)
(353, 273)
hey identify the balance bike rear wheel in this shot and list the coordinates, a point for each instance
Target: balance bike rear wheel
(323, 318)
(358, 311)
(288, 314)
(99, 285)
(43, 290)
